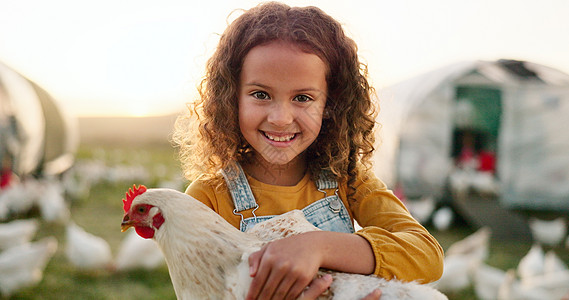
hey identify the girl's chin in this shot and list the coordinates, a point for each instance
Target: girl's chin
(281, 159)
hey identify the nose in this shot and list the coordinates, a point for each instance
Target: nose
(281, 114)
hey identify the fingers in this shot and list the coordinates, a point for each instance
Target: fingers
(277, 282)
(316, 288)
(254, 261)
(374, 295)
(258, 277)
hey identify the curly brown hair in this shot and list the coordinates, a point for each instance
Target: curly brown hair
(346, 137)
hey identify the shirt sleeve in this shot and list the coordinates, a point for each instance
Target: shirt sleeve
(402, 247)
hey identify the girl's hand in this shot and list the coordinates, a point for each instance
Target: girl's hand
(374, 295)
(282, 269)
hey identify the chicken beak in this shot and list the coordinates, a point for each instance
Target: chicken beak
(126, 223)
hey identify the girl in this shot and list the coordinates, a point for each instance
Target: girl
(285, 122)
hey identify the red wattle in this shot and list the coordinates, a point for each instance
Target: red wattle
(145, 232)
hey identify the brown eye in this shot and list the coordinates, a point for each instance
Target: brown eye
(302, 98)
(260, 95)
(141, 209)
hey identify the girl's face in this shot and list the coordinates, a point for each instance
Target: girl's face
(282, 94)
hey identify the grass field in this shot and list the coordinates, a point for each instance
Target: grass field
(100, 213)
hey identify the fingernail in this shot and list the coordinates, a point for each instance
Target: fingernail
(251, 271)
(327, 277)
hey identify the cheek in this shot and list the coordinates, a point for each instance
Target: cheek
(312, 118)
(249, 118)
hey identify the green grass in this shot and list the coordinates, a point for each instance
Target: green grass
(100, 213)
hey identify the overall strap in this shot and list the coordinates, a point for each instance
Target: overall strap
(325, 181)
(239, 188)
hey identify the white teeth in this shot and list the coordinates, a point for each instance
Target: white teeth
(284, 138)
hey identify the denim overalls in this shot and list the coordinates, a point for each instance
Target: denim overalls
(328, 213)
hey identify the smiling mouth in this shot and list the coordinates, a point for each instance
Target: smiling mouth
(279, 138)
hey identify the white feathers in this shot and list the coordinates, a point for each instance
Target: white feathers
(291, 223)
(85, 250)
(46, 194)
(17, 232)
(442, 218)
(543, 273)
(548, 232)
(23, 265)
(356, 286)
(487, 281)
(462, 259)
(421, 209)
(475, 247)
(18, 198)
(136, 252)
(52, 203)
(532, 264)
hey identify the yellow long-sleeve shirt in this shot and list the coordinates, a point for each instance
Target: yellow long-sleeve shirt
(402, 247)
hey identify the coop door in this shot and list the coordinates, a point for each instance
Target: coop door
(477, 115)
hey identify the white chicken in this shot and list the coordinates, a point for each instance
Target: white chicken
(543, 272)
(487, 281)
(511, 288)
(462, 259)
(548, 232)
(552, 263)
(136, 252)
(532, 264)
(85, 250)
(52, 203)
(23, 265)
(18, 198)
(17, 232)
(207, 257)
(476, 245)
(421, 209)
(443, 218)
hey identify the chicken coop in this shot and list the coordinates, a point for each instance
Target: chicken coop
(509, 115)
(36, 135)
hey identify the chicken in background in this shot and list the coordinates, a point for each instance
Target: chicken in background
(511, 288)
(487, 281)
(443, 218)
(51, 202)
(544, 273)
(548, 232)
(85, 250)
(19, 198)
(22, 266)
(136, 252)
(214, 263)
(462, 259)
(17, 232)
(532, 264)
(421, 209)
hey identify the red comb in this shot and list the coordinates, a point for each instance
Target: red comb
(131, 194)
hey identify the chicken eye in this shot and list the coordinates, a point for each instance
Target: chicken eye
(141, 209)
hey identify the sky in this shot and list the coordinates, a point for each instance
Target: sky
(146, 57)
